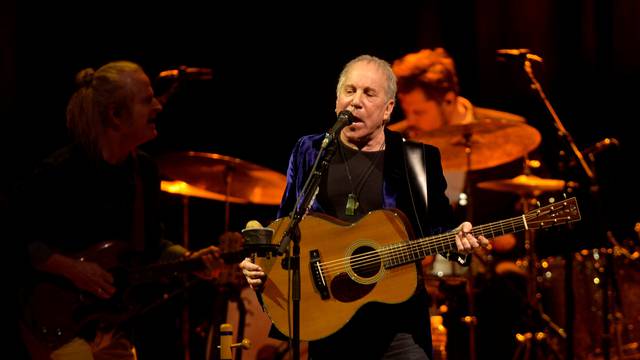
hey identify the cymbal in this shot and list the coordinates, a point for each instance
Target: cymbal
(182, 188)
(523, 184)
(479, 113)
(220, 177)
(495, 138)
(483, 121)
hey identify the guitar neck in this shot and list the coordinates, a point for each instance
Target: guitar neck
(154, 271)
(410, 251)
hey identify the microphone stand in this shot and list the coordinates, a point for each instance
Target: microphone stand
(569, 311)
(292, 233)
(558, 124)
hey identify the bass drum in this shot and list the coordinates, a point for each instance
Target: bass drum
(589, 276)
(256, 329)
(627, 326)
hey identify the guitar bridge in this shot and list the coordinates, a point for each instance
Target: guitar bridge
(319, 280)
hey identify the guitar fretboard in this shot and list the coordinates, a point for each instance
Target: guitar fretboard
(409, 251)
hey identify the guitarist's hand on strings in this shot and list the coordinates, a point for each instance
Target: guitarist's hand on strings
(253, 273)
(85, 275)
(466, 241)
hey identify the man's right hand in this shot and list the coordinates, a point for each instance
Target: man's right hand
(253, 273)
(85, 275)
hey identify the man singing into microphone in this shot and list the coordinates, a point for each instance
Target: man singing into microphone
(370, 171)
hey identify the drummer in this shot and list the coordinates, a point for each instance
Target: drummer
(428, 93)
(429, 96)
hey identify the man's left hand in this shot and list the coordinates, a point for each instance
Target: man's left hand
(466, 241)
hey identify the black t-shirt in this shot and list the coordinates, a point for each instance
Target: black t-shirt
(74, 201)
(352, 173)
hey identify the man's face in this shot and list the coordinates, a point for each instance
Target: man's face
(364, 94)
(421, 113)
(138, 123)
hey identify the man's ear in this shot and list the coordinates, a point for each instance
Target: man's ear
(388, 110)
(450, 98)
(114, 117)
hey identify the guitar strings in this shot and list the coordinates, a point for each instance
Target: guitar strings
(408, 249)
(438, 242)
(420, 242)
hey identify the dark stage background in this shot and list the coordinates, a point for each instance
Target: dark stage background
(274, 74)
(275, 71)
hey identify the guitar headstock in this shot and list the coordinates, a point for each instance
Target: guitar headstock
(558, 213)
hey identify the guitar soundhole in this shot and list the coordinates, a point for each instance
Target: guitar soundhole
(344, 289)
(365, 262)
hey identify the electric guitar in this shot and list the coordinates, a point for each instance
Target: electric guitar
(344, 266)
(55, 311)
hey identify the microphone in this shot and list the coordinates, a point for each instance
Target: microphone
(185, 72)
(606, 142)
(345, 118)
(257, 240)
(600, 146)
(524, 54)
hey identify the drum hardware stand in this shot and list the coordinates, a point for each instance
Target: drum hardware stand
(535, 343)
(594, 189)
(460, 311)
(185, 315)
(464, 200)
(186, 341)
(612, 297)
(470, 320)
(225, 294)
(528, 343)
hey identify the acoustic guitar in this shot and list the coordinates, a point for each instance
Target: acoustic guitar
(344, 266)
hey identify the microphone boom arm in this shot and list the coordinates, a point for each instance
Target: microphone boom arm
(558, 124)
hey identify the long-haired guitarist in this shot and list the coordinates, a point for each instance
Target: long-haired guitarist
(373, 168)
(84, 204)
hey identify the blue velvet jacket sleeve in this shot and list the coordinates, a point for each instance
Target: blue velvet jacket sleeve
(431, 216)
(301, 161)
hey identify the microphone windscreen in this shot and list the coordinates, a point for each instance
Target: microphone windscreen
(253, 224)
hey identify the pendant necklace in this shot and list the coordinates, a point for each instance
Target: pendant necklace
(352, 198)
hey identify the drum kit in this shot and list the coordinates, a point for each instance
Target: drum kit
(230, 180)
(219, 177)
(492, 139)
